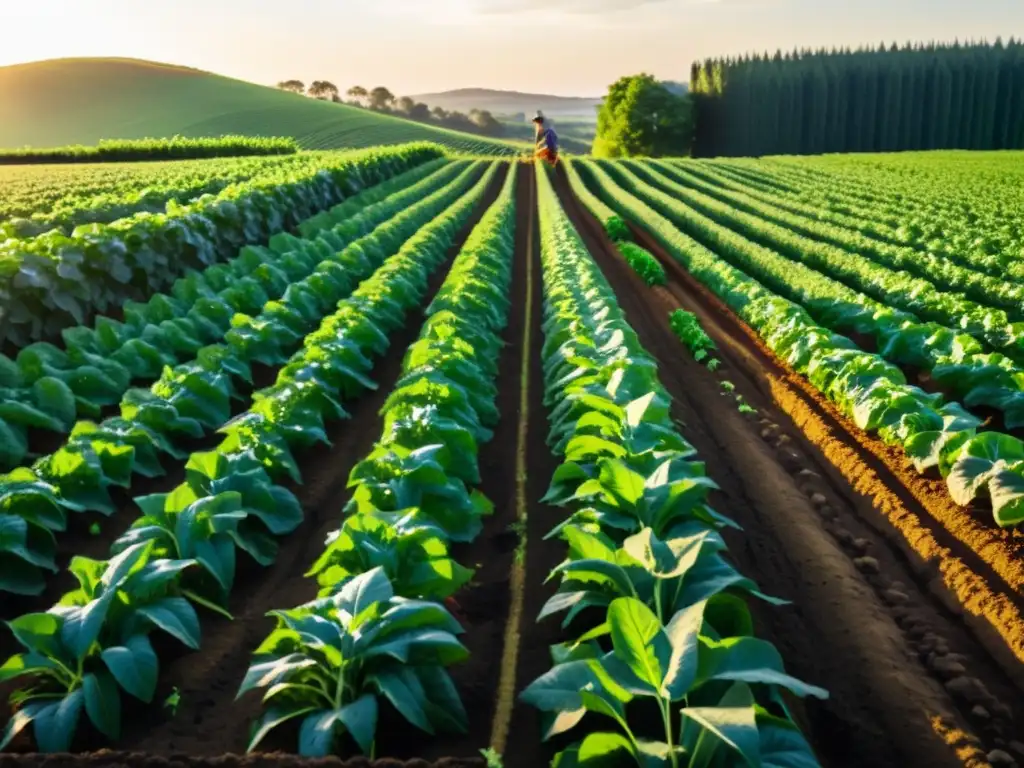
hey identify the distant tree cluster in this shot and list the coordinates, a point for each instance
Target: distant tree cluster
(318, 89)
(885, 99)
(381, 99)
(642, 117)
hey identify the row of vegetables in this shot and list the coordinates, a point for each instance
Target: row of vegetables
(38, 199)
(934, 433)
(194, 398)
(54, 281)
(947, 275)
(910, 193)
(955, 232)
(93, 647)
(953, 359)
(379, 631)
(885, 285)
(662, 652)
(46, 388)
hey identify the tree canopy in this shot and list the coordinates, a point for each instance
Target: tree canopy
(295, 86)
(641, 117)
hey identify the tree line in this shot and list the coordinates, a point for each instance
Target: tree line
(885, 99)
(381, 99)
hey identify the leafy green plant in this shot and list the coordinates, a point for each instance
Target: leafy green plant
(94, 644)
(722, 686)
(646, 571)
(643, 262)
(333, 661)
(687, 329)
(868, 387)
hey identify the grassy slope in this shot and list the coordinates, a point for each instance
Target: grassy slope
(80, 101)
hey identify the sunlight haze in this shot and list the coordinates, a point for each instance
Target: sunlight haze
(567, 47)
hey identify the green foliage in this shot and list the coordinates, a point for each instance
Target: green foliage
(641, 117)
(937, 435)
(409, 502)
(643, 262)
(136, 150)
(889, 99)
(231, 502)
(687, 329)
(332, 662)
(47, 284)
(194, 398)
(646, 570)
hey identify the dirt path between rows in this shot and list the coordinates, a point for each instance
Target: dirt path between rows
(209, 721)
(525, 749)
(909, 685)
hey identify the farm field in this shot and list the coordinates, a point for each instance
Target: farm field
(411, 454)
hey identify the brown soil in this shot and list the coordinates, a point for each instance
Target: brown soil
(909, 684)
(525, 750)
(482, 607)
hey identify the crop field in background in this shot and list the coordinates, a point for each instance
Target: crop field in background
(441, 459)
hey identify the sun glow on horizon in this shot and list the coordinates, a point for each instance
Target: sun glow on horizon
(567, 47)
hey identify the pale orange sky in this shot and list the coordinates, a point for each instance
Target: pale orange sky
(572, 47)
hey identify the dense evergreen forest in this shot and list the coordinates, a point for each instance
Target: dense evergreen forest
(921, 96)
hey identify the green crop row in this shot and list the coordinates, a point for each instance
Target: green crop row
(885, 284)
(639, 259)
(935, 434)
(54, 281)
(652, 603)
(194, 398)
(944, 274)
(910, 194)
(955, 360)
(136, 150)
(93, 647)
(865, 225)
(46, 387)
(377, 633)
(35, 199)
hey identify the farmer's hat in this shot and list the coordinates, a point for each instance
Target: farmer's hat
(539, 118)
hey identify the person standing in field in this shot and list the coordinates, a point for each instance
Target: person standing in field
(547, 140)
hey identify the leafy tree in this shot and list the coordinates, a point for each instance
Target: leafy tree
(294, 86)
(440, 114)
(381, 98)
(406, 105)
(485, 122)
(323, 89)
(640, 116)
(358, 94)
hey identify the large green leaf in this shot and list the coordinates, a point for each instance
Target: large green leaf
(640, 641)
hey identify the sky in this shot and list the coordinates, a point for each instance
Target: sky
(565, 47)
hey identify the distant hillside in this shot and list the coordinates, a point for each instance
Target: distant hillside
(80, 101)
(512, 102)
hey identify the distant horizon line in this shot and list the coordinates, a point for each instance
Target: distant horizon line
(199, 70)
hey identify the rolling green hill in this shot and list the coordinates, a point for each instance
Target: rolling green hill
(80, 101)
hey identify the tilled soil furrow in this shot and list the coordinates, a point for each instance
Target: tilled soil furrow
(482, 605)
(208, 719)
(525, 749)
(883, 705)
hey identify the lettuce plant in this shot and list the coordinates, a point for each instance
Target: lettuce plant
(94, 644)
(332, 662)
